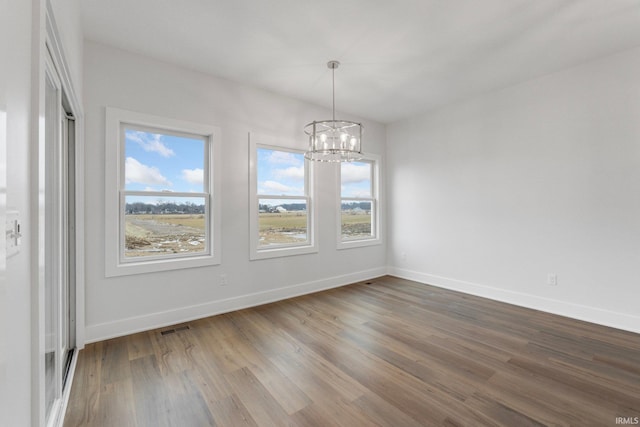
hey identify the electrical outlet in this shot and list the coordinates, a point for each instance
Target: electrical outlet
(223, 280)
(552, 279)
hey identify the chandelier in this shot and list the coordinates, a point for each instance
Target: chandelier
(334, 140)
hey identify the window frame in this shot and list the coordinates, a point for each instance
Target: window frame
(256, 142)
(375, 238)
(116, 264)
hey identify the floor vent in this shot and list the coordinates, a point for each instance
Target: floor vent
(174, 330)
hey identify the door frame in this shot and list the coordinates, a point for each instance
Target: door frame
(48, 43)
(54, 45)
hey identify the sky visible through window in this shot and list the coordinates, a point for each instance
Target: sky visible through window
(163, 163)
(280, 173)
(355, 179)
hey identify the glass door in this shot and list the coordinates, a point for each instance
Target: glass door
(58, 235)
(69, 237)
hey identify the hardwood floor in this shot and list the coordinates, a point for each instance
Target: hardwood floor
(389, 353)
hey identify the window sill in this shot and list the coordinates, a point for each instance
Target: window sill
(360, 243)
(258, 254)
(156, 265)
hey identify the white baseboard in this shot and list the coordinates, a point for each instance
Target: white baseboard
(103, 331)
(599, 316)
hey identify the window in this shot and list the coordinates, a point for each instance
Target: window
(281, 204)
(358, 203)
(162, 198)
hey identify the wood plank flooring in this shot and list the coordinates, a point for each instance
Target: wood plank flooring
(388, 352)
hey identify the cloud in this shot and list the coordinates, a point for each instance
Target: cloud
(138, 173)
(286, 158)
(352, 173)
(150, 142)
(274, 187)
(355, 192)
(293, 172)
(193, 176)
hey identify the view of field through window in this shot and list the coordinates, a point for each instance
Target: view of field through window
(282, 222)
(356, 202)
(165, 204)
(283, 215)
(355, 219)
(163, 227)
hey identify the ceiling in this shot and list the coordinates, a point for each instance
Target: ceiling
(399, 58)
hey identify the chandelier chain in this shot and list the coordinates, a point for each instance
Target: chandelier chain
(333, 85)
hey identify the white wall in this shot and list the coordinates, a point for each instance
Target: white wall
(120, 305)
(16, 320)
(490, 195)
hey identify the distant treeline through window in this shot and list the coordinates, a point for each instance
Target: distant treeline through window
(164, 208)
(365, 206)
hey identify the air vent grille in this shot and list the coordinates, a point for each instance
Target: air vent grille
(174, 330)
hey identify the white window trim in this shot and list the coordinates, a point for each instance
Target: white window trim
(114, 266)
(375, 207)
(263, 141)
